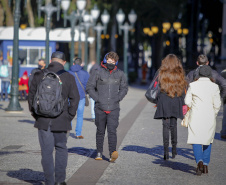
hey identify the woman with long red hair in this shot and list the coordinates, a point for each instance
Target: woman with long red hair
(170, 100)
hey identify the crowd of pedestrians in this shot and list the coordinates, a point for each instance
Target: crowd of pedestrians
(200, 91)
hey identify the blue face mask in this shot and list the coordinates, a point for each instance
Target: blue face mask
(40, 66)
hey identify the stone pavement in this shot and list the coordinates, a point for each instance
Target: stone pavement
(140, 150)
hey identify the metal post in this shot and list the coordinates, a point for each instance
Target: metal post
(86, 46)
(49, 10)
(47, 39)
(72, 18)
(126, 28)
(98, 46)
(99, 28)
(125, 62)
(14, 104)
(79, 41)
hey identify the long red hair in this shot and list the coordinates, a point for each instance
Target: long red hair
(172, 76)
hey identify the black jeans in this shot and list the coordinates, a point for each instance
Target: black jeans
(169, 124)
(48, 140)
(111, 121)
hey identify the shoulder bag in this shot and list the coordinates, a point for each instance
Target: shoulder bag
(87, 99)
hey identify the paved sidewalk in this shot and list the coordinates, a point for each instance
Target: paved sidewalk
(140, 152)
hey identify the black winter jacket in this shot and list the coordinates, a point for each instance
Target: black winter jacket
(218, 79)
(69, 90)
(107, 88)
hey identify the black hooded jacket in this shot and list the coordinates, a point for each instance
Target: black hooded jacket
(218, 79)
(69, 90)
(107, 88)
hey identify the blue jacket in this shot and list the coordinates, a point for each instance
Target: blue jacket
(83, 77)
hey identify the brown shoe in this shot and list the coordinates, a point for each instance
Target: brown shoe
(205, 169)
(79, 137)
(199, 169)
(114, 156)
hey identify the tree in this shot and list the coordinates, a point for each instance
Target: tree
(7, 10)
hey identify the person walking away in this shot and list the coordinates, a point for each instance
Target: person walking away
(203, 98)
(170, 100)
(23, 86)
(218, 79)
(107, 86)
(41, 66)
(52, 130)
(81, 78)
(95, 67)
(5, 76)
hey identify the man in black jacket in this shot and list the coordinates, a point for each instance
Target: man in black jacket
(107, 86)
(218, 79)
(52, 131)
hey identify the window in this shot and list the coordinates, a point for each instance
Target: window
(28, 55)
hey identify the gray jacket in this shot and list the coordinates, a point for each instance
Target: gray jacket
(107, 89)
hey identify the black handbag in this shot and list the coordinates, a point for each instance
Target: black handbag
(153, 91)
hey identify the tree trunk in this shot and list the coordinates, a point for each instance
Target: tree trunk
(1, 15)
(9, 16)
(30, 14)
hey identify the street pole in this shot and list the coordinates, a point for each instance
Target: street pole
(73, 19)
(99, 28)
(87, 25)
(79, 41)
(14, 104)
(126, 27)
(49, 10)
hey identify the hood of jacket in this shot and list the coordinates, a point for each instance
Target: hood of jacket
(75, 68)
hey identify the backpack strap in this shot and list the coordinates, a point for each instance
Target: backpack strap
(60, 72)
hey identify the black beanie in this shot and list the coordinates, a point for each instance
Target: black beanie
(205, 71)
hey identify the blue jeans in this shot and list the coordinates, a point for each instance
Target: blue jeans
(92, 103)
(80, 111)
(4, 88)
(202, 153)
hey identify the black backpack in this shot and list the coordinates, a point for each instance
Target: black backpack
(32, 75)
(48, 100)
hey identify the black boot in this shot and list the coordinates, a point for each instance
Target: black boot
(166, 153)
(174, 151)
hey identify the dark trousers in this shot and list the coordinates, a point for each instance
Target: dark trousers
(169, 124)
(48, 140)
(111, 121)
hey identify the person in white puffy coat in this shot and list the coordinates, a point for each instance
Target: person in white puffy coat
(203, 98)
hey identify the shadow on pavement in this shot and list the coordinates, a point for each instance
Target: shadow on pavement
(91, 153)
(158, 152)
(27, 121)
(28, 175)
(12, 152)
(176, 165)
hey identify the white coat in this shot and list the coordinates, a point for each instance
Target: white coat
(203, 97)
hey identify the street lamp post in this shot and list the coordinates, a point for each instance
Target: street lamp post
(48, 10)
(99, 28)
(81, 6)
(74, 16)
(87, 25)
(126, 27)
(14, 104)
